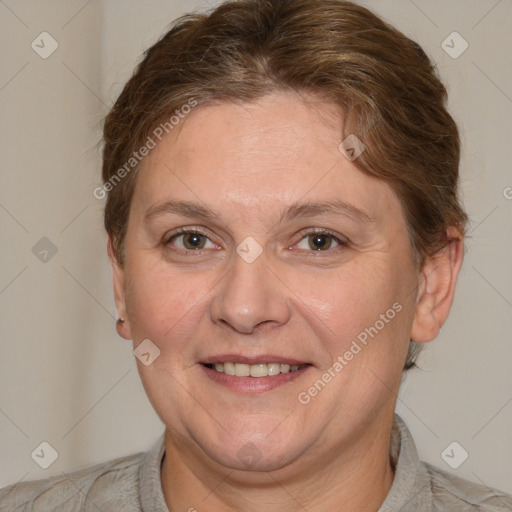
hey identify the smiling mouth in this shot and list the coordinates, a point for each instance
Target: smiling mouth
(255, 370)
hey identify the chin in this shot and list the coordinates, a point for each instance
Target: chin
(248, 457)
(251, 449)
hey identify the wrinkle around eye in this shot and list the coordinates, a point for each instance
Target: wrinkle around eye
(335, 242)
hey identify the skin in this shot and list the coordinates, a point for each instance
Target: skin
(249, 163)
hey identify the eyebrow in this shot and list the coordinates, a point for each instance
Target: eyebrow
(337, 207)
(299, 209)
(182, 208)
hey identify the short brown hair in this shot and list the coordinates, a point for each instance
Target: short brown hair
(386, 87)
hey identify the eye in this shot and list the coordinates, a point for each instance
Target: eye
(190, 240)
(320, 240)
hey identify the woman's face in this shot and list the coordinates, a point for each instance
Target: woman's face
(295, 258)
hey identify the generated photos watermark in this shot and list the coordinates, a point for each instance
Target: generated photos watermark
(156, 136)
(304, 397)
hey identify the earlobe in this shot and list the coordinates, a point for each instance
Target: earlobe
(118, 279)
(437, 289)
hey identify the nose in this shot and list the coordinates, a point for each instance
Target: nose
(251, 297)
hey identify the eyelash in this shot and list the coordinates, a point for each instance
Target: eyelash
(195, 231)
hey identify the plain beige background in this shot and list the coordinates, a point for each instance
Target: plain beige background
(67, 378)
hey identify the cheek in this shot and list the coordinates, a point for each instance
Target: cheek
(361, 310)
(351, 296)
(162, 302)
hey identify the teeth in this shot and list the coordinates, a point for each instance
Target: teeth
(229, 368)
(258, 370)
(242, 370)
(273, 368)
(255, 370)
(285, 368)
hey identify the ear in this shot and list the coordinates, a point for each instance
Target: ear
(437, 288)
(122, 328)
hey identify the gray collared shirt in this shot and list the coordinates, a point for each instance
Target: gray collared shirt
(133, 484)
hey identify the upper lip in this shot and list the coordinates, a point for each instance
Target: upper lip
(263, 358)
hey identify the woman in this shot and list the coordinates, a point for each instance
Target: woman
(285, 232)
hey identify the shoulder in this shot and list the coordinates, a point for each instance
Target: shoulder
(95, 487)
(419, 486)
(450, 492)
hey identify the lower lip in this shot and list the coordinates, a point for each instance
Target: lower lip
(253, 384)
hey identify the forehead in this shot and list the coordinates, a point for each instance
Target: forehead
(271, 152)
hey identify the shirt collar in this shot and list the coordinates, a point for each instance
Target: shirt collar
(409, 482)
(150, 480)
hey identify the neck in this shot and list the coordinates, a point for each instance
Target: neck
(353, 477)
